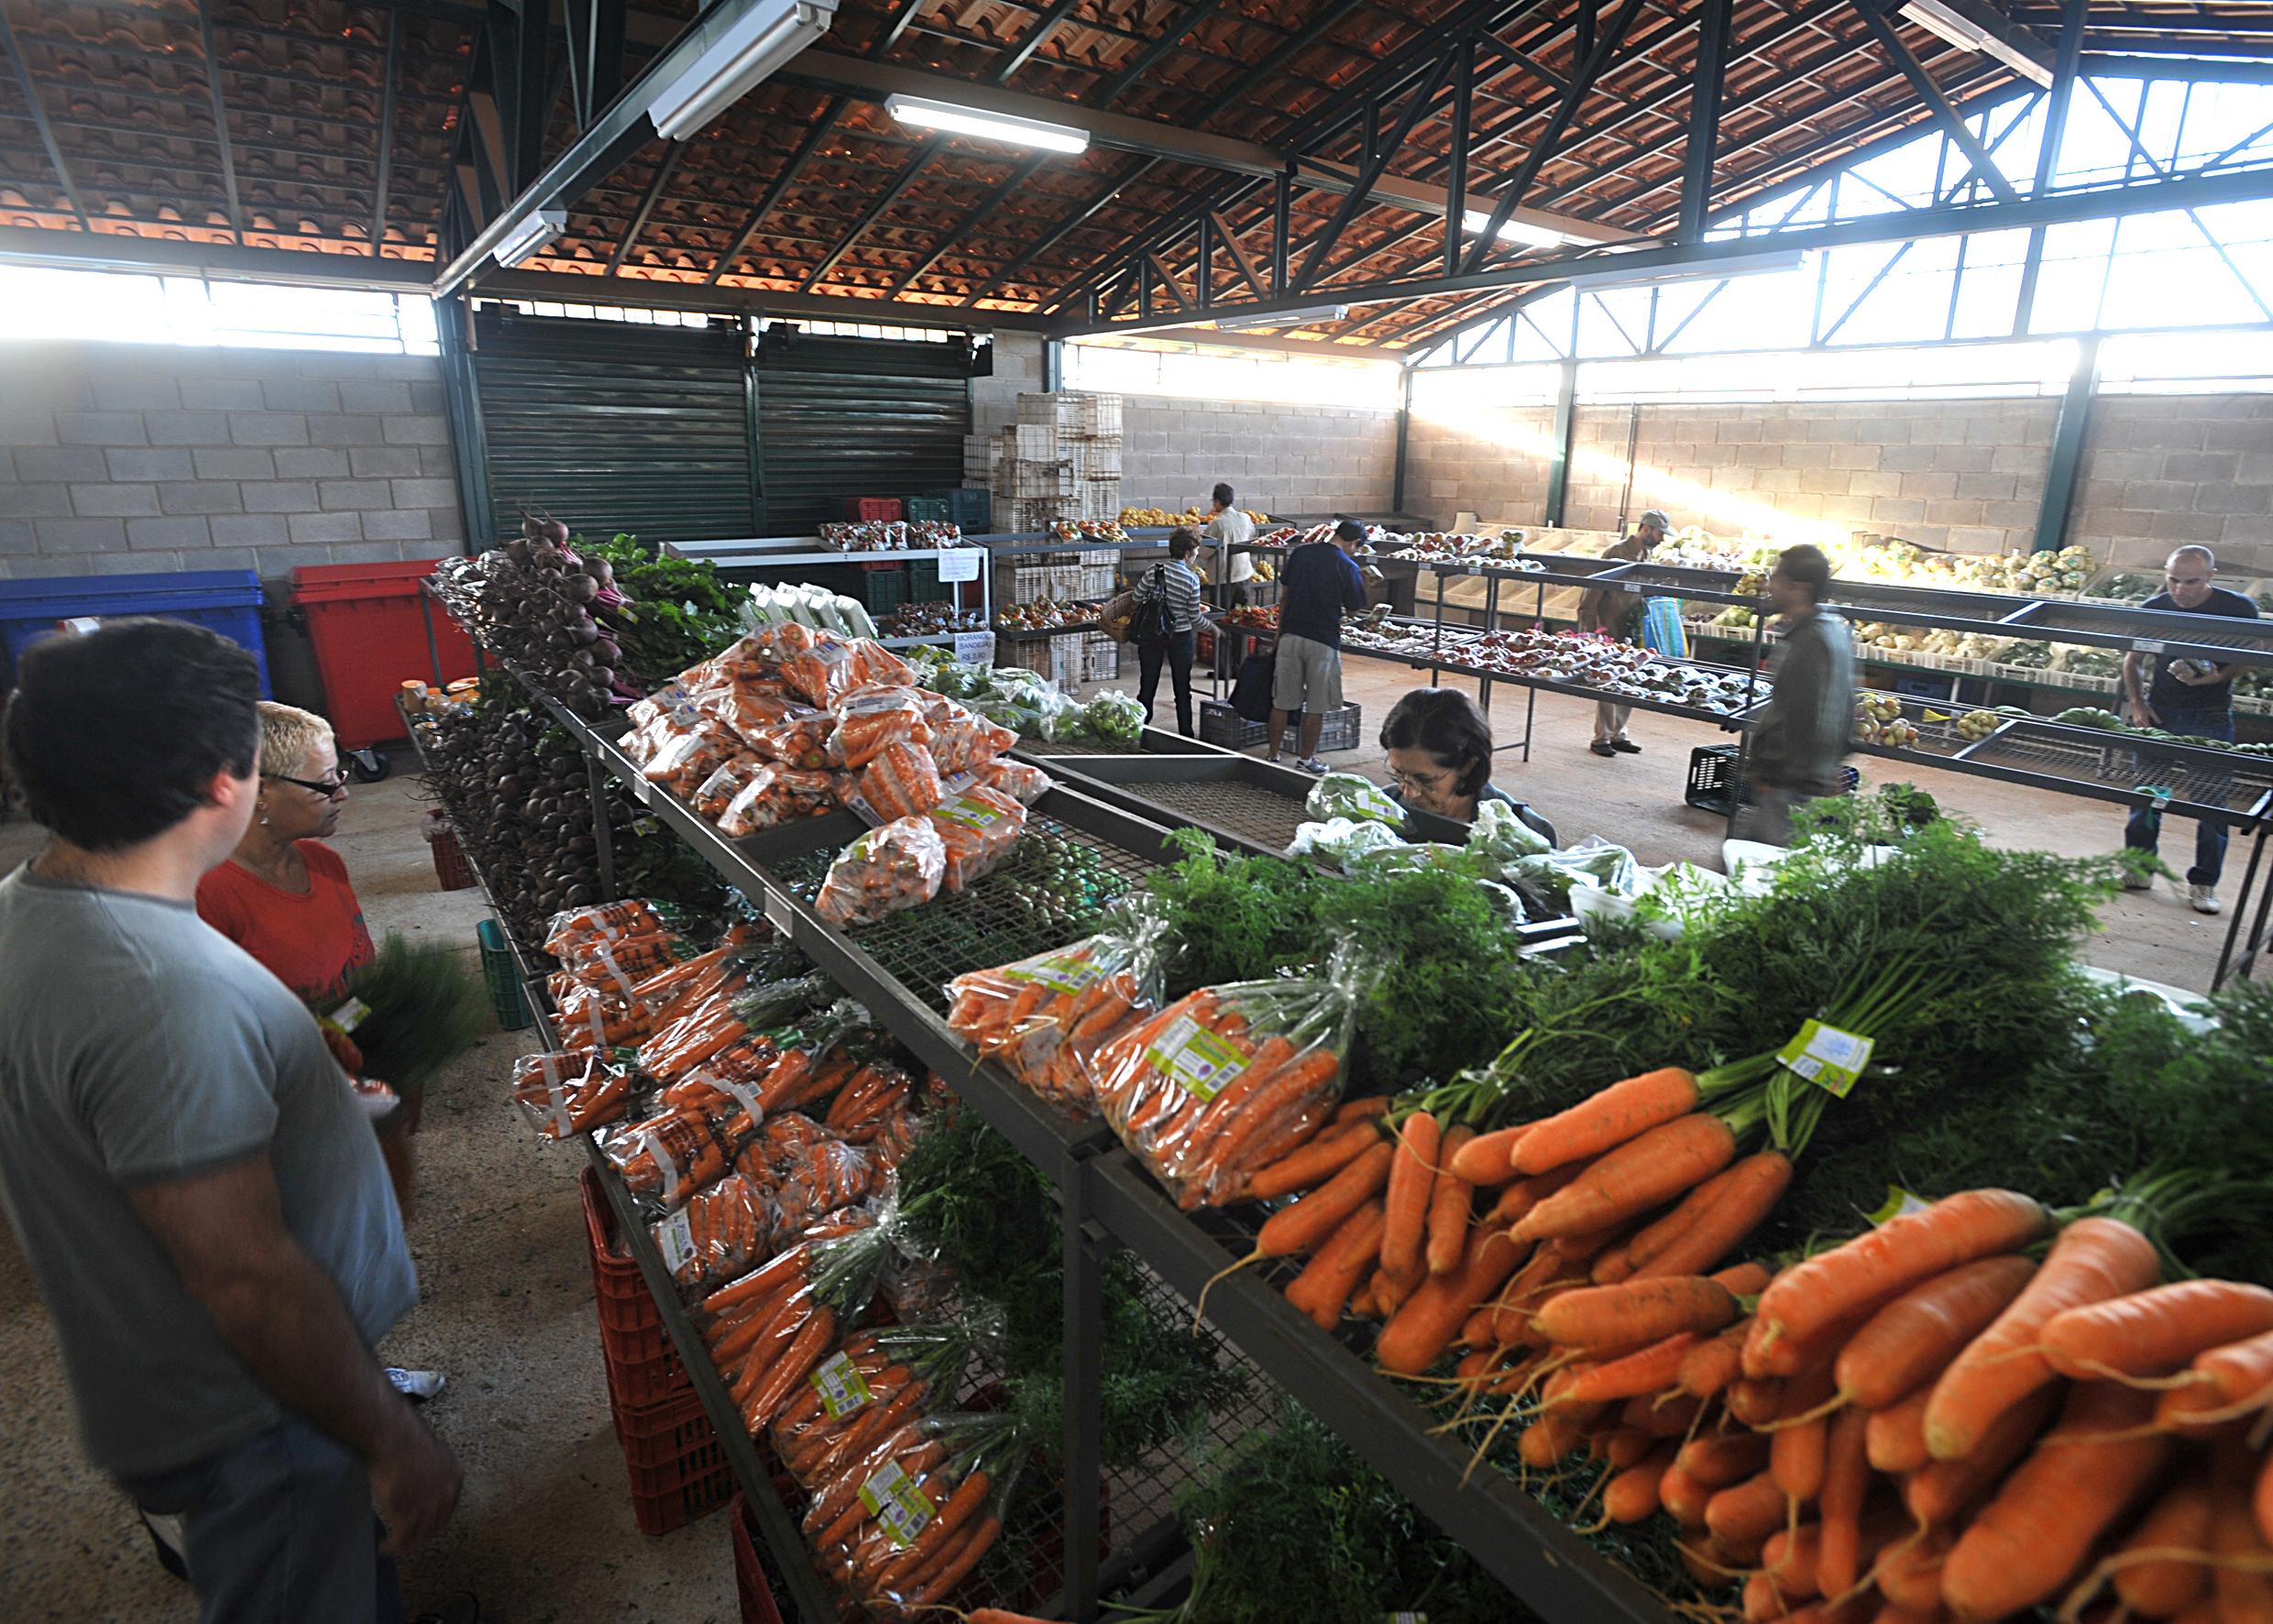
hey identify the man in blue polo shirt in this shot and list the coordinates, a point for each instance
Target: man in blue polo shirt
(1320, 581)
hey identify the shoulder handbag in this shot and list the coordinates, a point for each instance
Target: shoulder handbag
(1149, 619)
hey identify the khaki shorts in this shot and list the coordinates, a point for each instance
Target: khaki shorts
(1307, 676)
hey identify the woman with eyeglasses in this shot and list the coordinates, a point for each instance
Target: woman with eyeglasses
(1440, 755)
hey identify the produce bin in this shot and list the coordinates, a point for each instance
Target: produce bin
(644, 1368)
(752, 1584)
(971, 507)
(1220, 724)
(504, 978)
(369, 635)
(451, 869)
(929, 510)
(222, 600)
(675, 1464)
(871, 510)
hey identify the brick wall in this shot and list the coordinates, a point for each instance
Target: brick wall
(128, 458)
(1279, 458)
(2161, 471)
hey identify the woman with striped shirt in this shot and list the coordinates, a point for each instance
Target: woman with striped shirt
(1178, 585)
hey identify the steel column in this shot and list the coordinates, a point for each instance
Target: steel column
(462, 401)
(1565, 432)
(1930, 93)
(2064, 70)
(220, 118)
(1083, 1380)
(386, 134)
(2061, 476)
(1457, 174)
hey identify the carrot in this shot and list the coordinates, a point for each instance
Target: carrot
(1309, 1221)
(2261, 1503)
(1908, 1571)
(1895, 1438)
(1757, 1183)
(1797, 1451)
(1314, 1162)
(1912, 1339)
(1516, 1202)
(1763, 1601)
(1412, 1339)
(2165, 1586)
(1321, 1289)
(1684, 1497)
(1754, 1400)
(1719, 1459)
(1663, 1415)
(998, 1616)
(1549, 1438)
(1635, 1177)
(1649, 1370)
(1633, 1494)
(1709, 1366)
(1298, 1080)
(2222, 1381)
(954, 1566)
(1790, 1559)
(2033, 1535)
(1627, 1447)
(1623, 1111)
(2156, 1330)
(1752, 1510)
(934, 1536)
(1487, 1158)
(1654, 1238)
(2241, 1584)
(2092, 1260)
(1890, 1614)
(1939, 1491)
(790, 1368)
(1413, 1182)
(1450, 1197)
(1637, 1311)
(1846, 1482)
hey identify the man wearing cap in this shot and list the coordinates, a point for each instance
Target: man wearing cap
(1603, 609)
(1320, 581)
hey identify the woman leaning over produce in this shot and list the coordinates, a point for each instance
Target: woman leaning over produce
(284, 896)
(1440, 754)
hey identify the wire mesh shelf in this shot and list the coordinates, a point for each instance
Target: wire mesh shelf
(2230, 783)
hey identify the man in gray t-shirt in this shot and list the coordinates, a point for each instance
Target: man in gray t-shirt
(193, 1183)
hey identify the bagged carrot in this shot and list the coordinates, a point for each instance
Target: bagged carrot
(592, 1020)
(1227, 1080)
(1021, 781)
(961, 740)
(799, 739)
(864, 1107)
(978, 827)
(566, 932)
(775, 794)
(1044, 1017)
(817, 666)
(921, 1518)
(698, 1126)
(900, 864)
(722, 1232)
(568, 1093)
(903, 781)
(872, 717)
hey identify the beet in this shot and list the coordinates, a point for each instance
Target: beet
(555, 532)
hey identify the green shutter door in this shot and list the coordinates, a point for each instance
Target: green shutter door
(846, 417)
(616, 426)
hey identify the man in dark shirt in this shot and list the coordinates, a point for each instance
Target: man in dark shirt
(2191, 698)
(1319, 582)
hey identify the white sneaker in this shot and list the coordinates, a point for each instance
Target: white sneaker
(2137, 881)
(1316, 767)
(417, 1386)
(2204, 898)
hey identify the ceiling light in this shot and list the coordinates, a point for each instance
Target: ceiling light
(1611, 274)
(733, 57)
(992, 127)
(1310, 315)
(531, 235)
(1514, 231)
(1946, 23)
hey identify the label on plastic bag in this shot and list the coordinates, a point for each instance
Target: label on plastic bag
(970, 813)
(1900, 1204)
(1195, 1058)
(674, 1238)
(898, 1504)
(843, 1391)
(1060, 973)
(1826, 1057)
(350, 1015)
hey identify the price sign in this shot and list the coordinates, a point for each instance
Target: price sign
(959, 564)
(2147, 645)
(974, 648)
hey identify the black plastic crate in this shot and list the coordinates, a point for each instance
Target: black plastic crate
(1712, 777)
(1220, 724)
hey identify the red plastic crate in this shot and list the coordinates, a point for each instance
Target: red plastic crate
(758, 1606)
(871, 510)
(450, 865)
(643, 1367)
(675, 1462)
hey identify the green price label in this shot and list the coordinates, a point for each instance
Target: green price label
(843, 1391)
(898, 1504)
(970, 814)
(1195, 1058)
(1900, 1204)
(1826, 1057)
(1062, 973)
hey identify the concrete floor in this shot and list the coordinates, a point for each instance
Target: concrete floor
(544, 1531)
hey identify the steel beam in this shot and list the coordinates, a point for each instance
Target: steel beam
(386, 134)
(1064, 228)
(1421, 103)
(1044, 26)
(1704, 137)
(665, 165)
(1565, 434)
(1105, 94)
(2065, 65)
(640, 293)
(869, 217)
(2193, 191)
(220, 117)
(2064, 472)
(1931, 94)
(596, 38)
(82, 250)
(2198, 70)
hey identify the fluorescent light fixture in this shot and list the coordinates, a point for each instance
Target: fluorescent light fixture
(1945, 22)
(531, 235)
(734, 57)
(991, 126)
(1771, 262)
(1308, 316)
(1513, 231)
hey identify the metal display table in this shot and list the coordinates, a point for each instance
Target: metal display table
(898, 969)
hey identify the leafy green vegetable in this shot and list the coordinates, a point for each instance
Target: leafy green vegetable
(681, 612)
(424, 1009)
(1235, 918)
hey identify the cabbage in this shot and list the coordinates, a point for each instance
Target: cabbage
(1343, 841)
(1347, 795)
(1500, 834)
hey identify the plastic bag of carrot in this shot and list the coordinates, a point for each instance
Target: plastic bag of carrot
(1231, 1077)
(565, 1093)
(698, 1126)
(1044, 1017)
(723, 1231)
(902, 1524)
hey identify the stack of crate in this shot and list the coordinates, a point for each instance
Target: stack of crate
(1061, 460)
(1101, 658)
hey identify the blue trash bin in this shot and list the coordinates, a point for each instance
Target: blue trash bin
(225, 600)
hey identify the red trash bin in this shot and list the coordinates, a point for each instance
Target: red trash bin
(370, 638)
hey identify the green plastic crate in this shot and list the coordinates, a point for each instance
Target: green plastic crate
(929, 510)
(923, 581)
(503, 975)
(883, 590)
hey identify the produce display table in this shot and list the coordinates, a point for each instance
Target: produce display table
(898, 969)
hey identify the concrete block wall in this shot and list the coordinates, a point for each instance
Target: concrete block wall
(1494, 464)
(131, 458)
(2163, 470)
(1279, 458)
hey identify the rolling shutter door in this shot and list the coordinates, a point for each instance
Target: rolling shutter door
(615, 426)
(846, 417)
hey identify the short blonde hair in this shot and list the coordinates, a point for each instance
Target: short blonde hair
(287, 734)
